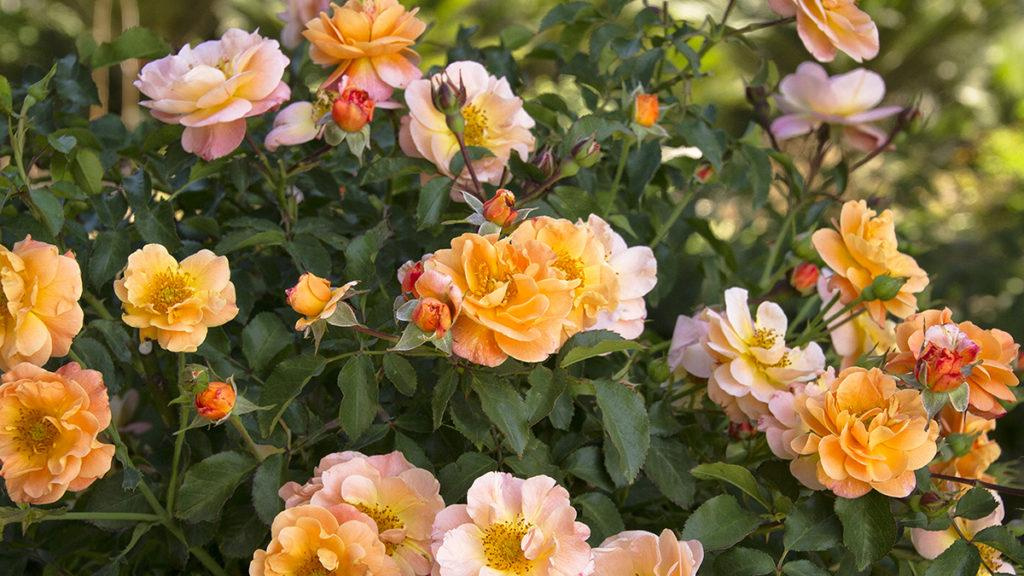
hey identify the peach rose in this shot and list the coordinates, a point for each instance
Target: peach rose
(211, 89)
(515, 301)
(493, 115)
(49, 428)
(982, 453)
(174, 303)
(866, 434)
(688, 350)
(826, 26)
(215, 402)
(637, 272)
(295, 16)
(39, 310)
(352, 109)
(645, 110)
(315, 299)
(931, 543)
(580, 258)
(810, 98)
(296, 124)
(862, 248)
(501, 208)
(639, 553)
(511, 527)
(311, 540)
(370, 41)
(942, 355)
(857, 337)
(752, 361)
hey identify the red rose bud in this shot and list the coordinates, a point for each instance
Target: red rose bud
(501, 209)
(432, 315)
(947, 357)
(741, 430)
(804, 278)
(704, 173)
(646, 113)
(352, 110)
(216, 401)
(410, 273)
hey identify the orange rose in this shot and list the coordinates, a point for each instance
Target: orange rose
(982, 453)
(175, 303)
(866, 434)
(215, 402)
(501, 209)
(352, 109)
(826, 26)
(863, 248)
(804, 277)
(646, 109)
(943, 355)
(49, 423)
(370, 41)
(515, 301)
(39, 311)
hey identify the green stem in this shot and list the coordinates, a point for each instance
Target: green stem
(773, 255)
(179, 439)
(107, 516)
(666, 227)
(623, 158)
(97, 305)
(236, 422)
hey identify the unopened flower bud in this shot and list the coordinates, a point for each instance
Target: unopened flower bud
(804, 248)
(544, 160)
(449, 98)
(646, 109)
(501, 209)
(432, 316)
(310, 295)
(352, 110)
(408, 274)
(704, 173)
(804, 278)
(215, 402)
(741, 430)
(884, 288)
(587, 152)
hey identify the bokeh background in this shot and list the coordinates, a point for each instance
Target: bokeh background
(956, 182)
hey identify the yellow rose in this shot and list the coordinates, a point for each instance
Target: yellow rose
(174, 303)
(49, 423)
(314, 298)
(39, 311)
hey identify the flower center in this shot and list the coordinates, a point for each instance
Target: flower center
(573, 267)
(476, 125)
(313, 567)
(168, 289)
(385, 518)
(37, 434)
(503, 546)
(764, 338)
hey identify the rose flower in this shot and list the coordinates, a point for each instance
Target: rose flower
(174, 303)
(943, 355)
(640, 553)
(866, 434)
(826, 26)
(39, 310)
(49, 428)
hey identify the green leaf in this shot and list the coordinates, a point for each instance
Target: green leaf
(263, 338)
(976, 503)
(738, 476)
(626, 425)
(361, 253)
(240, 239)
(110, 252)
(562, 13)
(600, 514)
(586, 464)
(668, 466)
(400, 373)
(62, 143)
(506, 409)
(812, 525)
(359, 400)
(593, 343)
(310, 253)
(699, 134)
(389, 168)
(265, 485)
(51, 209)
(643, 164)
(432, 201)
(960, 559)
(516, 36)
(545, 389)
(208, 485)
(1000, 538)
(457, 477)
(744, 562)
(869, 529)
(803, 568)
(443, 391)
(720, 523)
(6, 101)
(88, 171)
(283, 385)
(132, 43)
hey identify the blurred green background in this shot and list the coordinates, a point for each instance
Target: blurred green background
(955, 181)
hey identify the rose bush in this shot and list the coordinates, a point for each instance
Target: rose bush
(416, 319)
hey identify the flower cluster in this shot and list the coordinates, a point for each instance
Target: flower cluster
(380, 515)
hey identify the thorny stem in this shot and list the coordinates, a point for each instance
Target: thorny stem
(179, 439)
(478, 189)
(375, 333)
(236, 422)
(1018, 492)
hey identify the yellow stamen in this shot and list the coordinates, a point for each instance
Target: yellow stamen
(572, 267)
(36, 433)
(476, 125)
(764, 338)
(385, 518)
(503, 546)
(168, 289)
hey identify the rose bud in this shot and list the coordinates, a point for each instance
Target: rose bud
(353, 109)
(646, 109)
(883, 288)
(408, 274)
(432, 315)
(804, 278)
(501, 209)
(310, 295)
(215, 402)
(704, 173)
(741, 430)
(946, 359)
